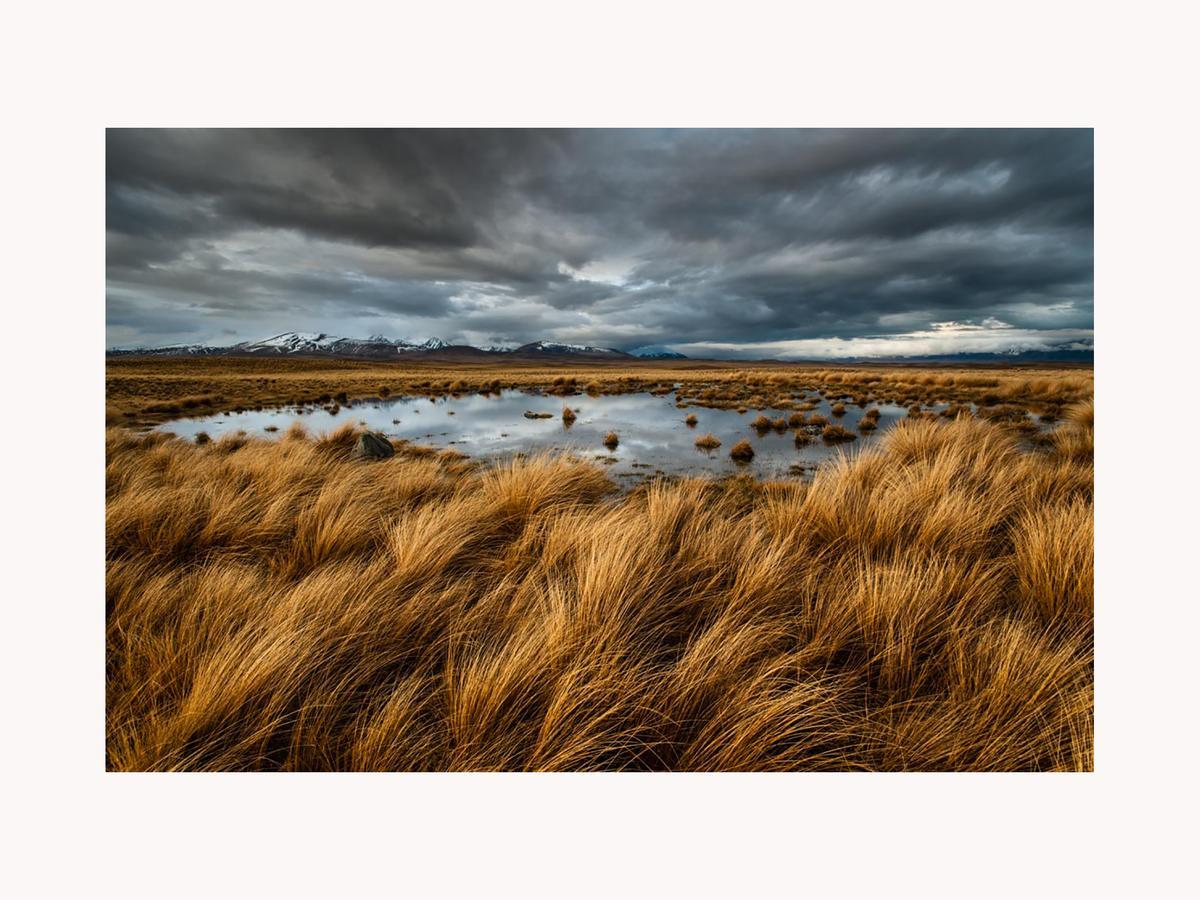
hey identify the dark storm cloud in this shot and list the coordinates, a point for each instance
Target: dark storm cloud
(614, 237)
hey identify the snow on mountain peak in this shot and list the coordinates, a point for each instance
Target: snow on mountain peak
(559, 347)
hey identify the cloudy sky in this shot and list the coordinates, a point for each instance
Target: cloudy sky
(779, 243)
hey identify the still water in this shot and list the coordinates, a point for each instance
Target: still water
(653, 435)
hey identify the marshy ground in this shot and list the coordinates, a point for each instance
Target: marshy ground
(922, 602)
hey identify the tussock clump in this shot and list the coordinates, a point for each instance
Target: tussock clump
(202, 437)
(1082, 415)
(796, 420)
(611, 440)
(838, 409)
(834, 434)
(1054, 561)
(690, 420)
(568, 415)
(742, 451)
(761, 423)
(1073, 438)
(708, 442)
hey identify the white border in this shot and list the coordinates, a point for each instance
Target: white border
(72, 69)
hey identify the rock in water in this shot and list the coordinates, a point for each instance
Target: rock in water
(372, 446)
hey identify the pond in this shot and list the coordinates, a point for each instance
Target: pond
(654, 438)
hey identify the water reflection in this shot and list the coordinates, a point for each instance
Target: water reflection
(654, 436)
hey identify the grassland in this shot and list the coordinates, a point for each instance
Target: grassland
(925, 604)
(143, 390)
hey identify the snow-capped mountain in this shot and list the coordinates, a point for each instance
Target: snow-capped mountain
(298, 343)
(306, 343)
(656, 352)
(169, 350)
(291, 342)
(318, 343)
(560, 349)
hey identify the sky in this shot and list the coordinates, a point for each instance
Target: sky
(782, 243)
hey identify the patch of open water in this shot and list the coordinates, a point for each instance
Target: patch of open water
(654, 437)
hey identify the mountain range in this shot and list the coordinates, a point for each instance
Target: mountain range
(319, 344)
(377, 346)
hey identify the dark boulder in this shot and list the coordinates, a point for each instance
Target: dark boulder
(372, 446)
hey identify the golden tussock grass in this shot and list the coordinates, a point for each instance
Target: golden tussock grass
(837, 434)
(923, 605)
(708, 441)
(742, 451)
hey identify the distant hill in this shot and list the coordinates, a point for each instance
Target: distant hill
(553, 348)
(1081, 356)
(319, 344)
(657, 353)
(308, 343)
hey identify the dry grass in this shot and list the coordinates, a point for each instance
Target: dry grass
(568, 415)
(275, 606)
(834, 434)
(708, 441)
(611, 440)
(742, 451)
(922, 605)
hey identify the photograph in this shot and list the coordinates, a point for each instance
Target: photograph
(549, 450)
(599, 450)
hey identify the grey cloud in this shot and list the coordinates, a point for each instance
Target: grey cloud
(618, 237)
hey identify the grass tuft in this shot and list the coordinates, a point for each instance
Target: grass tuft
(742, 451)
(833, 434)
